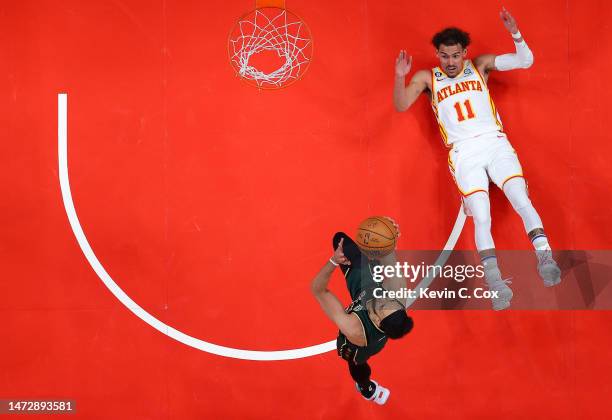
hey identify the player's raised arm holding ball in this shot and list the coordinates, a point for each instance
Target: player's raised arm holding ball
(479, 148)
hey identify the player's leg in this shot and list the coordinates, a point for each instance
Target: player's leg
(473, 182)
(360, 370)
(361, 375)
(505, 170)
(368, 388)
(516, 191)
(480, 208)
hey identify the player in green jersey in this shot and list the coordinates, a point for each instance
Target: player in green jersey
(367, 322)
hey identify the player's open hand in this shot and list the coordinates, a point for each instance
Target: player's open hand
(339, 257)
(508, 20)
(403, 62)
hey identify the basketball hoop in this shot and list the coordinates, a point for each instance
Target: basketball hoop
(270, 47)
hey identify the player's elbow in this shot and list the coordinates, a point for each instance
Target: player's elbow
(316, 289)
(528, 60)
(400, 107)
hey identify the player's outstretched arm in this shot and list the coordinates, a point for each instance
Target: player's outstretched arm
(404, 96)
(522, 59)
(349, 325)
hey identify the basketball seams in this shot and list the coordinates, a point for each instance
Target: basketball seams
(377, 233)
(386, 223)
(379, 243)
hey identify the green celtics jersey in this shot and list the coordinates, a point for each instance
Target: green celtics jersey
(361, 286)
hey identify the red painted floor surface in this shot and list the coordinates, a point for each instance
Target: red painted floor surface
(212, 205)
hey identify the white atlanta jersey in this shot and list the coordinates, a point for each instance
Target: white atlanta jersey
(462, 105)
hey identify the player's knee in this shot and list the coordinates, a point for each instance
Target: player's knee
(520, 202)
(482, 220)
(480, 208)
(516, 192)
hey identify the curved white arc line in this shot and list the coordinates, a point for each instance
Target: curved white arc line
(62, 136)
(62, 133)
(443, 257)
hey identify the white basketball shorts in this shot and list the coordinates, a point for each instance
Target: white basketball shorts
(476, 161)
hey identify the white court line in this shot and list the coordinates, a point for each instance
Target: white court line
(62, 144)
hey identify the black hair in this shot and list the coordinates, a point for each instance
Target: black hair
(396, 325)
(451, 36)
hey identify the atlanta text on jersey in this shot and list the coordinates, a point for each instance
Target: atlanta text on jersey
(459, 87)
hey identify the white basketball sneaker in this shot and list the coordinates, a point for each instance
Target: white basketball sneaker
(380, 395)
(548, 268)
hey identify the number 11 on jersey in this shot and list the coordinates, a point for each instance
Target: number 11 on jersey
(468, 107)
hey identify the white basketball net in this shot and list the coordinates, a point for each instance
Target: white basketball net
(271, 29)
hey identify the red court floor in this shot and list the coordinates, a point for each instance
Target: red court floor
(212, 204)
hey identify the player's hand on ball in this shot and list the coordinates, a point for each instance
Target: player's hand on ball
(508, 20)
(403, 62)
(339, 257)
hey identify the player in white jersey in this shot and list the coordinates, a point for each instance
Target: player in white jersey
(479, 149)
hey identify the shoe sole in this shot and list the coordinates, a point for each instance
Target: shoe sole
(552, 283)
(502, 306)
(503, 301)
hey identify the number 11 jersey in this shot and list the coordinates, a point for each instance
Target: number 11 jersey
(462, 105)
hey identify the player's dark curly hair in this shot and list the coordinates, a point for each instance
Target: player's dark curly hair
(397, 325)
(451, 36)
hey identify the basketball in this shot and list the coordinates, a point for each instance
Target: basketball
(376, 236)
